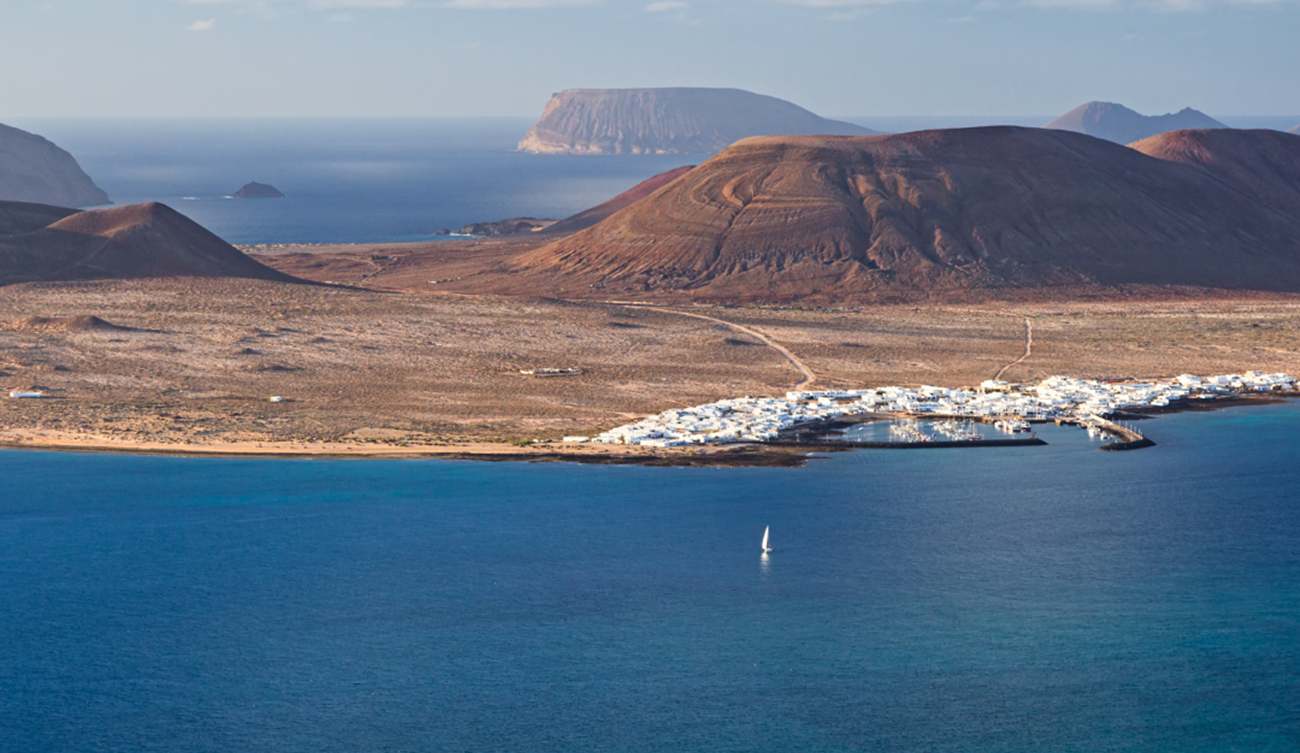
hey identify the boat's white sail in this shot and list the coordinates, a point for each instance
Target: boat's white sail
(766, 532)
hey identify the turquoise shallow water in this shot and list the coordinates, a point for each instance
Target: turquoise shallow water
(1027, 599)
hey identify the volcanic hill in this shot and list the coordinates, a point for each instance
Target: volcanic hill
(32, 169)
(1115, 122)
(140, 240)
(942, 213)
(667, 121)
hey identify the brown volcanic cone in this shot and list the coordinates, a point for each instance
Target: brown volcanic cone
(1260, 163)
(779, 218)
(140, 240)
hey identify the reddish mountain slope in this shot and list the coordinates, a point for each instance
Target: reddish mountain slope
(1260, 163)
(588, 217)
(140, 240)
(784, 218)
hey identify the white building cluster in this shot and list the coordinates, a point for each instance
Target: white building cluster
(755, 419)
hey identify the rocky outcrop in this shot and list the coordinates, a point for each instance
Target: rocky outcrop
(257, 190)
(34, 170)
(1114, 122)
(667, 121)
(941, 213)
(512, 226)
(139, 240)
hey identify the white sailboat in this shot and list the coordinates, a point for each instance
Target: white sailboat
(766, 532)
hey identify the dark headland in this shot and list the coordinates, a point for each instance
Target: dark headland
(667, 121)
(32, 169)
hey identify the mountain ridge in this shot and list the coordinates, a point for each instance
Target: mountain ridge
(1115, 122)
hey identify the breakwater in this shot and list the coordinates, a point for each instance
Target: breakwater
(848, 444)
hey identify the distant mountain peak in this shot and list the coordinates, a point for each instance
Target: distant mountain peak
(681, 120)
(1115, 122)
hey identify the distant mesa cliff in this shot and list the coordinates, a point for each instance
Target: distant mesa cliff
(139, 240)
(257, 190)
(667, 121)
(940, 214)
(33, 169)
(1114, 122)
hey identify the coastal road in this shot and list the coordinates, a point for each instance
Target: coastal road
(808, 376)
(1029, 348)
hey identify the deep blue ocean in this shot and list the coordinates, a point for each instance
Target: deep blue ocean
(1056, 598)
(348, 180)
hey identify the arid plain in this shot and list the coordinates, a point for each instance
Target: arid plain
(940, 257)
(190, 364)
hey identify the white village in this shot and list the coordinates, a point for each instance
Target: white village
(1011, 406)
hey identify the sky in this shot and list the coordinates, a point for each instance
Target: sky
(251, 58)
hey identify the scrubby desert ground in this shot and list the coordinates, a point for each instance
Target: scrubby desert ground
(191, 364)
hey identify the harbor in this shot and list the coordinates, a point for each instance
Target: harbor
(935, 417)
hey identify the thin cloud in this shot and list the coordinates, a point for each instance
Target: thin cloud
(512, 4)
(349, 4)
(665, 5)
(312, 4)
(207, 25)
(840, 3)
(1080, 4)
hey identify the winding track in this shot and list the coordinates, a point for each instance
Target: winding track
(1029, 348)
(808, 376)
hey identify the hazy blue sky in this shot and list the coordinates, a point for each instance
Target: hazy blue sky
(505, 57)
